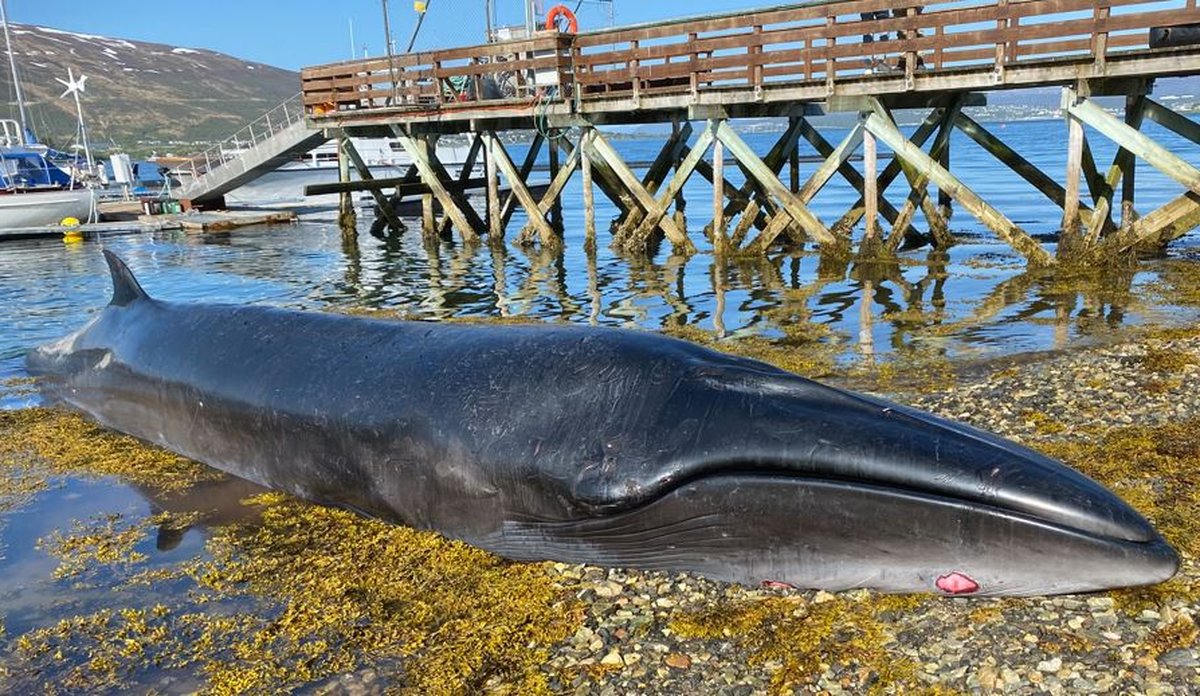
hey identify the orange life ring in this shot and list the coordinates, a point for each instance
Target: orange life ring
(559, 11)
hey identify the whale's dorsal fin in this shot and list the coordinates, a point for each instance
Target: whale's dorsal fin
(126, 290)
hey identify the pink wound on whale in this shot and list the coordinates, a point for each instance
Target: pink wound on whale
(774, 585)
(957, 584)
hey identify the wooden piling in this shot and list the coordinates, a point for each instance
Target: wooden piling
(870, 194)
(347, 216)
(680, 199)
(946, 182)
(556, 216)
(945, 199)
(1135, 109)
(495, 219)
(589, 198)
(1069, 240)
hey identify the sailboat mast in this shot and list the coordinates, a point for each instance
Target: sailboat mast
(12, 63)
(530, 17)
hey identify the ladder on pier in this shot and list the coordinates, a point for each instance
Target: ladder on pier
(271, 141)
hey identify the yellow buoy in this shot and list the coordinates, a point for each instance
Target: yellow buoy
(72, 234)
(419, 6)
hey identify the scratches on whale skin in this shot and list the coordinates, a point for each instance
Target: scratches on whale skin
(628, 535)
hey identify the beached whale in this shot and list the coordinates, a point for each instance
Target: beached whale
(603, 446)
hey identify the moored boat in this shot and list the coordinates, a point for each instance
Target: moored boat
(34, 192)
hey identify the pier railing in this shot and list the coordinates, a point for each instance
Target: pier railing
(513, 71)
(896, 46)
(262, 129)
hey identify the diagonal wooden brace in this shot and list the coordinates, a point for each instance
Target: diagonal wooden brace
(521, 192)
(682, 174)
(1177, 123)
(1013, 235)
(1166, 224)
(889, 175)
(1136, 142)
(848, 172)
(1018, 164)
(676, 185)
(509, 206)
(667, 156)
(464, 174)
(750, 200)
(840, 155)
(385, 206)
(919, 182)
(433, 174)
(794, 207)
(600, 147)
(551, 196)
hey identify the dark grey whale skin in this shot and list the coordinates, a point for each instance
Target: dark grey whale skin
(604, 446)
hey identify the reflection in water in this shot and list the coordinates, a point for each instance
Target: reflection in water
(959, 301)
(969, 299)
(866, 322)
(216, 502)
(974, 299)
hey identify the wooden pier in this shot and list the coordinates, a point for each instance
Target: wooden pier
(788, 62)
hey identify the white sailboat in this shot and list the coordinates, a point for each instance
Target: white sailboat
(33, 192)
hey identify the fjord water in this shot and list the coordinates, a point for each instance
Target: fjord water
(979, 297)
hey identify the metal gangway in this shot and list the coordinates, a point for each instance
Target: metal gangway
(269, 142)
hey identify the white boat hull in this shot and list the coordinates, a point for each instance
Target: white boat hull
(286, 185)
(19, 212)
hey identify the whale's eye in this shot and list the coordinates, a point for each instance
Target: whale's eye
(957, 584)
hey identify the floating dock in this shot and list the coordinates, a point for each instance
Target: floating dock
(225, 221)
(209, 222)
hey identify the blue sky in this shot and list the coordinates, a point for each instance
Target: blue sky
(296, 33)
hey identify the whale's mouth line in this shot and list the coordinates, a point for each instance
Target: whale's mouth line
(898, 490)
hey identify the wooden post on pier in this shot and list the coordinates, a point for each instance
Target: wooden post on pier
(556, 215)
(1069, 242)
(680, 199)
(495, 219)
(1135, 109)
(870, 243)
(423, 149)
(347, 216)
(346, 149)
(794, 158)
(589, 196)
(945, 199)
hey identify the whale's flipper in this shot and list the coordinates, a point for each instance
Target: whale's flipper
(126, 290)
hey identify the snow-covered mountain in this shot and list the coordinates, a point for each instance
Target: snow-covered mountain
(138, 91)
